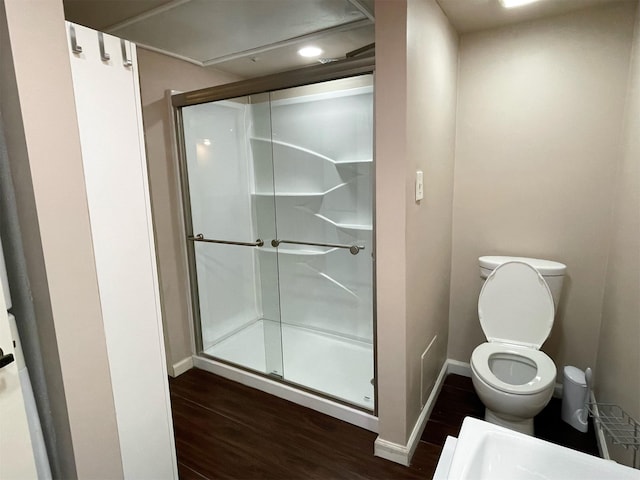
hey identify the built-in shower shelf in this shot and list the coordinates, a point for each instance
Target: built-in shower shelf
(346, 226)
(299, 194)
(353, 162)
(319, 156)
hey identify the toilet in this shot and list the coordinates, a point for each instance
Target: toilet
(516, 308)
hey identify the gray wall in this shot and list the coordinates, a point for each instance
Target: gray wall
(159, 73)
(432, 71)
(617, 374)
(540, 111)
(416, 60)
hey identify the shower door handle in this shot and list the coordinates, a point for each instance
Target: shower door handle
(200, 238)
(353, 249)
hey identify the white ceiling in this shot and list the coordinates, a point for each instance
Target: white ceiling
(473, 15)
(245, 37)
(251, 38)
(100, 14)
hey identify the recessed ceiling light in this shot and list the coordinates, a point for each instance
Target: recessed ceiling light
(206, 142)
(309, 52)
(515, 3)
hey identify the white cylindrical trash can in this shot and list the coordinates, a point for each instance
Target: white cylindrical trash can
(574, 399)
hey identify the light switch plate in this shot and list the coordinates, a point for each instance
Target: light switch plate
(419, 185)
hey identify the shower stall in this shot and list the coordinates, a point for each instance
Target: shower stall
(277, 183)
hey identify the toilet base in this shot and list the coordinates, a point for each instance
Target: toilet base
(519, 425)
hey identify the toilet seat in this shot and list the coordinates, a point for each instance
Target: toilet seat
(545, 368)
(516, 306)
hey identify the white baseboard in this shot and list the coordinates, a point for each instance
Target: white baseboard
(458, 368)
(182, 366)
(402, 454)
(391, 451)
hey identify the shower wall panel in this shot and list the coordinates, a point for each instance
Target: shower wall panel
(322, 157)
(107, 99)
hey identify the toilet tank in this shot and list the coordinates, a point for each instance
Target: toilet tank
(552, 272)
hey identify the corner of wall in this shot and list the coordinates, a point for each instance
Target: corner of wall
(43, 146)
(432, 59)
(619, 338)
(390, 165)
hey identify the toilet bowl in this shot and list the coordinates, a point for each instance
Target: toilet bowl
(513, 384)
(512, 377)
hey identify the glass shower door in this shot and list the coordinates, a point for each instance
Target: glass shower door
(322, 142)
(232, 216)
(280, 227)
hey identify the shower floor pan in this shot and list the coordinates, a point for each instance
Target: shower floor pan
(335, 366)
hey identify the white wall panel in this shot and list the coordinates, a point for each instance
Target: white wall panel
(109, 113)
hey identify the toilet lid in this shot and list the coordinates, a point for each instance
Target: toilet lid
(516, 306)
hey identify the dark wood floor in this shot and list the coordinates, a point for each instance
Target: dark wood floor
(226, 430)
(458, 400)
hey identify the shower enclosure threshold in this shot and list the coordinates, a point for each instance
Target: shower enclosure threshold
(338, 366)
(306, 399)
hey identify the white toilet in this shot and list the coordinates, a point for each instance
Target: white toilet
(517, 305)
